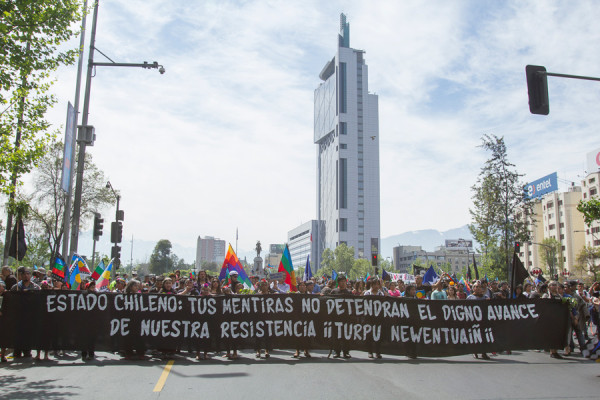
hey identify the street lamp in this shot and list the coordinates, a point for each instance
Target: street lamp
(85, 135)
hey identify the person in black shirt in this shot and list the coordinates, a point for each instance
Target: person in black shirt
(341, 290)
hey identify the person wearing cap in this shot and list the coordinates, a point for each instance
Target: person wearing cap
(158, 284)
(25, 283)
(119, 285)
(233, 278)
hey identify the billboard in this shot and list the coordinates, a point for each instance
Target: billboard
(537, 189)
(459, 243)
(593, 161)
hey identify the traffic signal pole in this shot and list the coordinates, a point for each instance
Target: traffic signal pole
(537, 87)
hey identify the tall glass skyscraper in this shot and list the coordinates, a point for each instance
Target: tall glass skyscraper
(346, 133)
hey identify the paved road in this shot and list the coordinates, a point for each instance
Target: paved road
(523, 375)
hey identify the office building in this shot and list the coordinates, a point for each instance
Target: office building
(210, 250)
(302, 242)
(346, 132)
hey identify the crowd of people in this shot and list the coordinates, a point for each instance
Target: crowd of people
(584, 301)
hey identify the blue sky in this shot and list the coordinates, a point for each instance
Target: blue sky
(223, 140)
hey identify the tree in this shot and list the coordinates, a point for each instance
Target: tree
(48, 200)
(327, 263)
(31, 37)
(344, 258)
(590, 210)
(160, 260)
(551, 255)
(360, 269)
(501, 209)
(586, 261)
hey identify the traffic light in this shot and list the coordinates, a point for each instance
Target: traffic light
(374, 259)
(537, 88)
(517, 247)
(98, 225)
(116, 232)
(115, 254)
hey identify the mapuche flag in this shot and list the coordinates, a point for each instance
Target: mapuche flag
(58, 270)
(98, 271)
(285, 265)
(104, 279)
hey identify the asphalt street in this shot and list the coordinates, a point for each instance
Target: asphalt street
(522, 375)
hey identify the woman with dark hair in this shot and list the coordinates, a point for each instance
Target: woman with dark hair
(359, 288)
(519, 294)
(451, 292)
(202, 278)
(527, 289)
(215, 286)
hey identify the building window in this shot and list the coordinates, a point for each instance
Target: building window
(343, 128)
(343, 87)
(343, 183)
(550, 204)
(551, 227)
(343, 224)
(343, 146)
(593, 191)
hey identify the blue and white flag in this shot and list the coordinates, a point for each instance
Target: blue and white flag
(430, 276)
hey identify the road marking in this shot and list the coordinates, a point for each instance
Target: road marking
(163, 377)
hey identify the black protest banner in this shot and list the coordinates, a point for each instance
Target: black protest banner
(109, 321)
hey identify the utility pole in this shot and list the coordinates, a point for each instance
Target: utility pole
(69, 195)
(85, 133)
(80, 139)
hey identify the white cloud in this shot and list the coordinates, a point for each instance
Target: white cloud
(224, 138)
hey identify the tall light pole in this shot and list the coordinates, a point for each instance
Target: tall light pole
(85, 134)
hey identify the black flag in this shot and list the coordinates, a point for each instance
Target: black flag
(18, 247)
(519, 273)
(475, 267)
(469, 277)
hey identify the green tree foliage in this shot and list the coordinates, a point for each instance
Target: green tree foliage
(360, 269)
(48, 200)
(340, 260)
(327, 263)
(590, 210)
(161, 260)
(501, 210)
(588, 261)
(551, 255)
(31, 35)
(344, 258)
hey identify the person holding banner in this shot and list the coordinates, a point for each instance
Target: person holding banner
(263, 289)
(374, 289)
(341, 290)
(478, 294)
(2, 291)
